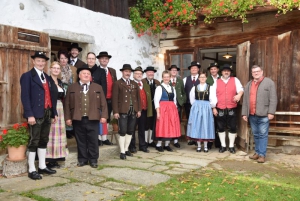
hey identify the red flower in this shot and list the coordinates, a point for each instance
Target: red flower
(0, 137)
(139, 35)
(235, 2)
(226, 10)
(171, 7)
(4, 132)
(25, 124)
(251, 6)
(169, 1)
(184, 11)
(221, 3)
(179, 13)
(16, 126)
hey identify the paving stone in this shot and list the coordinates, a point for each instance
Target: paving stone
(84, 176)
(186, 166)
(186, 160)
(159, 168)
(78, 192)
(176, 171)
(119, 186)
(217, 166)
(20, 184)
(128, 163)
(13, 197)
(152, 154)
(139, 177)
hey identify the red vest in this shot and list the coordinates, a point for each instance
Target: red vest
(47, 102)
(225, 94)
(109, 81)
(143, 99)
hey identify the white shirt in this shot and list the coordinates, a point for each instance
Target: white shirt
(105, 68)
(150, 81)
(202, 87)
(73, 61)
(39, 72)
(192, 77)
(126, 80)
(86, 89)
(158, 94)
(173, 79)
(213, 90)
(215, 79)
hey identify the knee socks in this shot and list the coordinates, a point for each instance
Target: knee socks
(222, 136)
(231, 137)
(167, 143)
(42, 158)
(31, 159)
(127, 141)
(205, 145)
(122, 144)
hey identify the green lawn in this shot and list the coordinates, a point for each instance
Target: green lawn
(221, 185)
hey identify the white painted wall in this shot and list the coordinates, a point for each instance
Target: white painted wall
(112, 34)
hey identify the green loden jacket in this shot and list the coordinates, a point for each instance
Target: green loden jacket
(146, 87)
(180, 93)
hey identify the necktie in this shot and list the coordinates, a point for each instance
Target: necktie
(84, 87)
(194, 80)
(139, 83)
(174, 83)
(73, 62)
(42, 76)
(128, 83)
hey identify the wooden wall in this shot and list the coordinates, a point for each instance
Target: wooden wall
(15, 52)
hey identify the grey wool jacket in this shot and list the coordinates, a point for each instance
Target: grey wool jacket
(266, 98)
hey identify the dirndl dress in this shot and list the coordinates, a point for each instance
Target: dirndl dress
(201, 121)
(168, 125)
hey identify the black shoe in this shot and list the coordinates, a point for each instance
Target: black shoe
(205, 150)
(46, 171)
(222, 149)
(69, 136)
(232, 150)
(34, 175)
(80, 164)
(160, 149)
(122, 156)
(209, 145)
(100, 143)
(192, 142)
(128, 153)
(198, 149)
(144, 150)
(133, 150)
(107, 142)
(177, 145)
(52, 165)
(94, 165)
(168, 148)
(152, 144)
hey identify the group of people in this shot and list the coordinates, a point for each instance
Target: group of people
(77, 99)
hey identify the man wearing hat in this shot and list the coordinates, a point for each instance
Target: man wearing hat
(39, 97)
(74, 50)
(84, 107)
(189, 82)
(177, 83)
(151, 112)
(111, 77)
(211, 79)
(126, 106)
(140, 122)
(228, 92)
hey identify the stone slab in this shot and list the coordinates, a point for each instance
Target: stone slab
(176, 171)
(139, 177)
(186, 160)
(13, 197)
(119, 186)
(159, 168)
(186, 166)
(83, 176)
(128, 163)
(20, 184)
(78, 192)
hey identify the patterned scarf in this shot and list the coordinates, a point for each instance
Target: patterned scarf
(66, 75)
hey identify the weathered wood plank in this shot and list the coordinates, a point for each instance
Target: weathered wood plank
(3, 87)
(271, 66)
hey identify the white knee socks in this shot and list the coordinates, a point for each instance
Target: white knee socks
(222, 136)
(231, 137)
(42, 158)
(122, 144)
(127, 141)
(175, 141)
(167, 143)
(205, 145)
(146, 136)
(31, 159)
(104, 137)
(199, 144)
(158, 144)
(150, 136)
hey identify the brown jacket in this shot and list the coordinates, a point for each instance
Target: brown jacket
(121, 97)
(97, 107)
(79, 63)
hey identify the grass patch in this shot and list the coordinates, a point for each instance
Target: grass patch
(1, 190)
(36, 197)
(219, 185)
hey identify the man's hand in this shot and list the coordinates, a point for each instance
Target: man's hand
(31, 120)
(102, 120)
(116, 116)
(54, 120)
(138, 114)
(69, 122)
(245, 118)
(236, 98)
(215, 111)
(270, 116)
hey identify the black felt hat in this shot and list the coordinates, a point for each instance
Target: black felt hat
(75, 45)
(150, 68)
(139, 69)
(194, 63)
(40, 55)
(213, 65)
(226, 66)
(174, 66)
(84, 67)
(103, 54)
(126, 67)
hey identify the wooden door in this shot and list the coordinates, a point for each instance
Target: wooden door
(243, 74)
(16, 47)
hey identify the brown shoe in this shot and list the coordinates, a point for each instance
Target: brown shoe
(261, 159)
(254, 157)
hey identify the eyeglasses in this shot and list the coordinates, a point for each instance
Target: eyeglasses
(202, 77)
(258, 71)
(55, 68)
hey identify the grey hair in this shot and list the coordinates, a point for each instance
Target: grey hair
(256, 66)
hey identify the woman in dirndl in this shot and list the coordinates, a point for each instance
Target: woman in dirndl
(201, 121)
(167, 122)
(57, 145)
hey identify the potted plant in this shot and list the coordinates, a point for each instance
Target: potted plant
(114, 123)
(15, 140)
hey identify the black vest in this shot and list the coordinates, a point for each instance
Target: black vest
(188, 86)
(202, 95)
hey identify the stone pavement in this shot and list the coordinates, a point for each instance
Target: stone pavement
(115, 176)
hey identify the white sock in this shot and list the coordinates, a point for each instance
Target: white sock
(127, 141)
(222, 136)
(104, 137)
(158, 144)
(231, 137)
(146, 136)
(31, 159)
(167, 143)
(199, 144)
(150, 136)
(99, 137)
(42, 158)
(205, 144)
(107, 126)
(175, 141)
(122, 144)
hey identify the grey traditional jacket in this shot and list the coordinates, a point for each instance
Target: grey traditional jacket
(266, 98)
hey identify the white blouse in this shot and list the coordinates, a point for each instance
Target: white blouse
(158, 94)
(202, 87)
